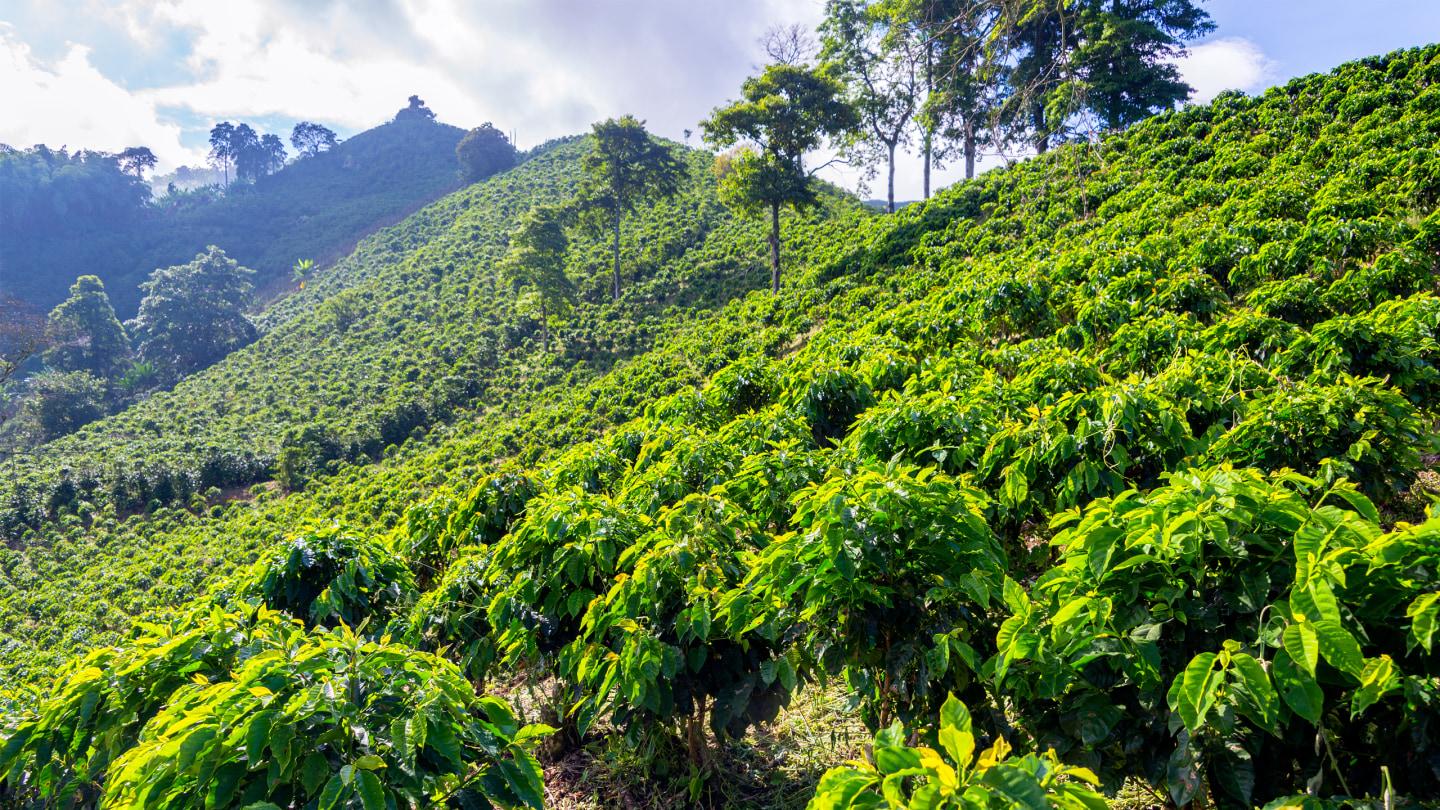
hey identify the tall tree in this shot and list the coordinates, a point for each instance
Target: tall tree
(877, 61)
(62, 402)
(222, 148)
(484, 151)
(782, 114)
(960, 73)
(1113, 58)
(1126, 56)
(194, 314)
(84, 334)
(624, 167)
(272, 153)
(248, 152)
(535, 266)
(311, 139)
(137, 160)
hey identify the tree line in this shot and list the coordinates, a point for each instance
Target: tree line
(953, 75)
(252, 155)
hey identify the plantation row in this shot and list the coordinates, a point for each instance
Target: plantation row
(1123, 448)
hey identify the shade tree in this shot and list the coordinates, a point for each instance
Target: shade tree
(782, 114)
(194, 314)
(484, 151)
(137, 159)
(878, 62)
(624, 168)
(535, 266)
(310, 139)
(85, 335)
(415, 110)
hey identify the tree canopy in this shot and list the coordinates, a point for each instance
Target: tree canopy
(625, 166)
(785, 112)
(85, 335)
(484, 151)
(310, 139)
(535, 265)
(415, 110)
(194, 314)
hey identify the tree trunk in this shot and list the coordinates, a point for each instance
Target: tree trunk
(544, 327)
(775, 248)
(969, 150)
(926, 150)
(890, 181)
(928, 139)
(615, 270)
(1042, 138)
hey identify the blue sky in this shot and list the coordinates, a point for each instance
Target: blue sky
(110, 74)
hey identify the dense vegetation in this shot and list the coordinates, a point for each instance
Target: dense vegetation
(1123, 448)
(83, 214)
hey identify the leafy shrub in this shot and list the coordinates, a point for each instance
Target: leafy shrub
(342, 723)
(888, 569)
(332, 576)
(669, 640)
(1361, 427)
(951, 775)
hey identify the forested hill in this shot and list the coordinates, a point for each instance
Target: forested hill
(316, 207)
(1128, 447)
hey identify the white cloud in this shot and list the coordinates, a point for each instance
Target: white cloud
(539, 68)
(69, 103)
(1231, 63)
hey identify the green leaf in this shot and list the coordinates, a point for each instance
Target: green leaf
(1196, 693)
(1017, 787)
(955, 732)
(1377, 680)
(313, 772)
(1423, 614)
(1298, 688)
(369, 762)
(1303, 646)
(1259, 701)
(372, 793)
(1340, 648)
(257, 734)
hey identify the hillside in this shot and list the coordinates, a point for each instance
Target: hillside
(316, 208)
(390, 341)
(1127, 447)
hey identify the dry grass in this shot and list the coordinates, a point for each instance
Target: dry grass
(772, 767)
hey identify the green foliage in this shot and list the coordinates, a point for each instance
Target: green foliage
(194, 314)
(785, 112)
(889, 570)
(84, 334)
(535, 265)
(59, 403)
(484, 151)
(333, 576)
(952, 775)
(1036, 443)
(625, 167)
(240, 711)
(83, 214)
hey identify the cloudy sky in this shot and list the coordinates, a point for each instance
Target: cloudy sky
(106, 75)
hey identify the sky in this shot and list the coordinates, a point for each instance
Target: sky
(107, 75)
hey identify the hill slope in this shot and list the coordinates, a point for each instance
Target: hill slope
(1122, 446)
(390, 341)
(316, 207)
